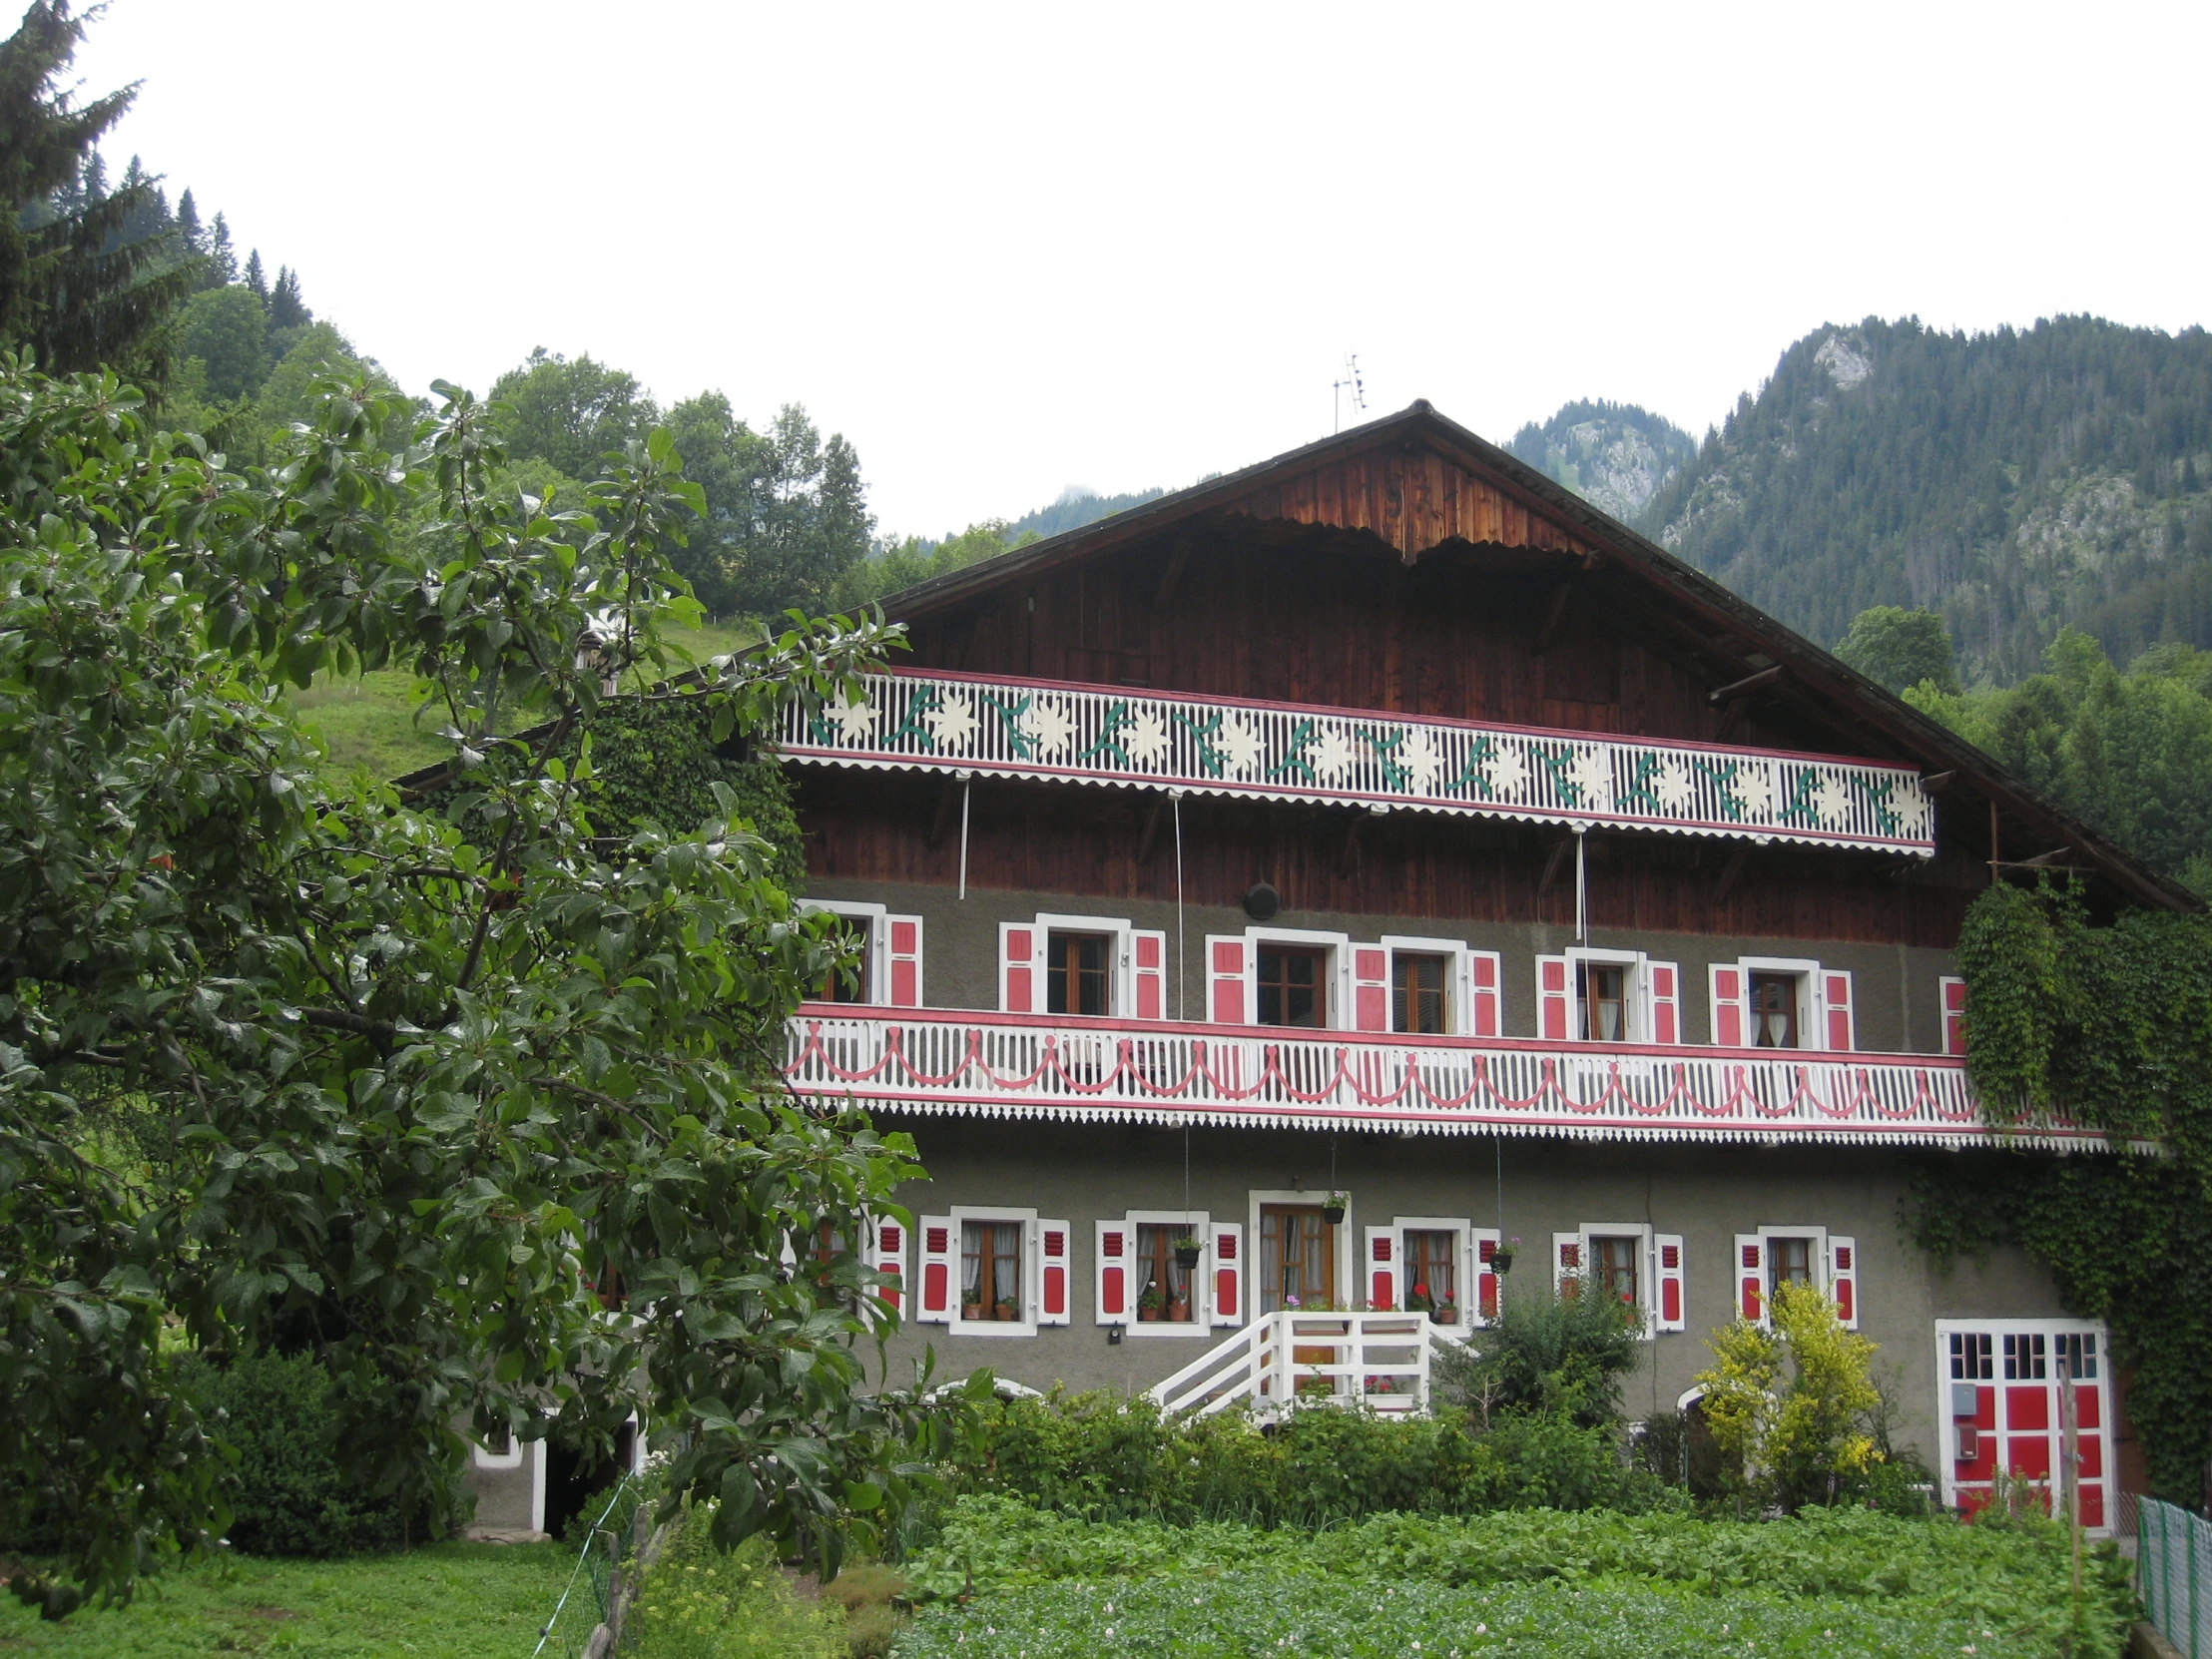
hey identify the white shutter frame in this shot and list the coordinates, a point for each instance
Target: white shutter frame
(938, 1292)
(1554, 999)
(1747, 1278)
(903, 987)
(1670, 1302)
(1842, 1278)
(1727, 984)
(1225, 1292)
(1479, 1303)
(1838, 1028)
(1382, 1284)
(1567, 1260)
(887, 1255)
(1371, 987)
(1229, 979)
(1148, 974)
(1951, 1014)
(1113, 1299)
(1020, 968)
(1055, 1273)
(1663, 1002)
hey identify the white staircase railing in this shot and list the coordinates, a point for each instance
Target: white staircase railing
(1384, 1362)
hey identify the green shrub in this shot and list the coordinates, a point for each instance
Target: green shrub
(698, 1601)
(288, 1497)
(1546, 1353)
(1105, 1457)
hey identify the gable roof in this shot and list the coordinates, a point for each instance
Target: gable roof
(1416, 480)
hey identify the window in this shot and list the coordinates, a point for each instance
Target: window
(990, 1271)
(851, 985)
(1603, 991)
(1293, 987)
(1791, 1262)
(1418, 1003)
(1431, 1270)
(1077, 973)
(2025, 1357)
(2078, 1351)
(1971, 1360)
(1297, 1257)
(1774, 1011)
(1164, 1287)
(1614, 1264)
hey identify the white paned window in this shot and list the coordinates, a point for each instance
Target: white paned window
(1620, 1260)
(890, 970)
(1169, 1273)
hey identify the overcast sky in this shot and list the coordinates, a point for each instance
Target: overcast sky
(1006, 249)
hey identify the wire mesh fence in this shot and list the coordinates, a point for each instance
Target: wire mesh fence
(2173, 1574)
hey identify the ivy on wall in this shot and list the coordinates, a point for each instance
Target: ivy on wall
(2111, 1026)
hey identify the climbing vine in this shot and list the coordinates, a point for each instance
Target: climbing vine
(2109, 1026)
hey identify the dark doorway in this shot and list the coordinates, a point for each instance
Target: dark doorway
(571, 1479)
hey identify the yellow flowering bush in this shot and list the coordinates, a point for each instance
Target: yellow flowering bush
(1789, 1407)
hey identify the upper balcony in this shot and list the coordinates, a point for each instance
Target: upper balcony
(999, 727)
(1052, 1067)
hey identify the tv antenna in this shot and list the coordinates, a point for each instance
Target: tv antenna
(1350, 383)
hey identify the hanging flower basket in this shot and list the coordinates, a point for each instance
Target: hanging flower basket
(1187, 1252)
(1503, 1258)
(1333, 1209)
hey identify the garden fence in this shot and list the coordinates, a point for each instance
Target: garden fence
(2173, 1574)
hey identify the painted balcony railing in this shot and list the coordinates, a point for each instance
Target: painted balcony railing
(1384, 1362)
(1052, 1067)
(999, 728)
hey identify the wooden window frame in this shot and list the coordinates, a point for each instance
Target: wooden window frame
(1647, 1274)
(1345, 1263)
(1200, 1225)
(1026, 1218)
(1336, 975)
(1109, 953)
(1812, 1024)
(1635, 992)
(1120, 934)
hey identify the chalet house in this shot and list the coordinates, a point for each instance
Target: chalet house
(1284, 897)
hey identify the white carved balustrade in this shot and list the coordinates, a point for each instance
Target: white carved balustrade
(951, 1061)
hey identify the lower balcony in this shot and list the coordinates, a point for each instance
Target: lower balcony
(954, 1061)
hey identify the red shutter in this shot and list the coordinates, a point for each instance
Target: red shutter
(1114, 1249)
(1371, 988)
(1382, 1288)
(1842, 1278)
(905, 961)
(1554, 999)
(939, 1254)
(1225, 979)
(1728, 1004)
(1751, 1277)
(888, 1258)
(1482, 979)
(1567, 1263)
(1052, 1277)
(1227, 1272)
(1151, 949)
(1836, 1004)
(1018, 989)
(1668, 1248)
(1666, 1001)
(1954, 1015)
(1486, 1274)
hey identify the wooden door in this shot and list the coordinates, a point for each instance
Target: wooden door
(1297, 1257)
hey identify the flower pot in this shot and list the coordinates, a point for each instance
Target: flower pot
(1333, 1214)
(1007, 1312)
(971, 1309)
(1148, 1315)
(1185, 1256)
(1445, 1316)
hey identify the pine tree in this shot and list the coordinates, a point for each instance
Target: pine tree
(255, 277)
(222, 268)
(188, 224)
(72, 288)
(285, 309)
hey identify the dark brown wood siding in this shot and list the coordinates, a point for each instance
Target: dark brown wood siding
(1331, 617)
(1042, 838)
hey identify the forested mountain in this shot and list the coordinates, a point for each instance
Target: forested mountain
(2015, 482)
(1075, 508)
(1616, 456)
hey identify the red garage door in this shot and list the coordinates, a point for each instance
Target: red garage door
(2001, 1411)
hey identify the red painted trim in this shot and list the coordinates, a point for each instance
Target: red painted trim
(1388, 716)
(984, 1018)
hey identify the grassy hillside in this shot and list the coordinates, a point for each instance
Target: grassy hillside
(369, 720)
